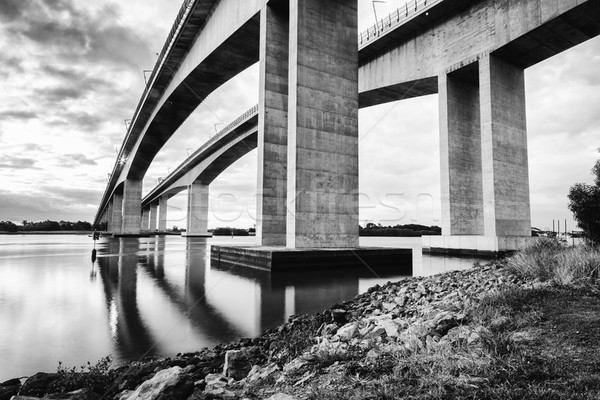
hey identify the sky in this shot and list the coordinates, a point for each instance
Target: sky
(71, 73)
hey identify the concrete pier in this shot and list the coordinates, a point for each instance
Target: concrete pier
(162, 213)
(132, 207)
(460, 152)
(277, 258)
(504, 148)
(272, 125)
(117, 214)
(145, 219)
(197, 210)
(153, 217)
(322, 180)
(109, 216)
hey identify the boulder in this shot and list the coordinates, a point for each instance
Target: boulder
(153, 387)
(282, 396)
(81, 394)
(37, 385)
(218, 385)
(347, 332)
(237, 364)
(258, 373)
(6, 392)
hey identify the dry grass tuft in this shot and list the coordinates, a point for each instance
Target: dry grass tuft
(548, 261)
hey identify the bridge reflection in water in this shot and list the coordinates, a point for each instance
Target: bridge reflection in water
(162, 295)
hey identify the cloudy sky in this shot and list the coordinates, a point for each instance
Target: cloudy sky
(71, 72)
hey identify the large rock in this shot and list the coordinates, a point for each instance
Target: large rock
(237, 364)
(37, 385)
(282, 396)
(346, 332)
(258, 373)
(153, 387)
(6, 392)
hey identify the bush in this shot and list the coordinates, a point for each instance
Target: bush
(98, 377)
(548, 261)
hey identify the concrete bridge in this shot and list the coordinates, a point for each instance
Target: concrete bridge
(314, 75)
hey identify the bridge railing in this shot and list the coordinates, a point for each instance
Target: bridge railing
(398, 17)
(228, 128)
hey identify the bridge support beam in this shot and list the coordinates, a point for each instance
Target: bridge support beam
(460, 152)
(322, 178)
(109, 214)
(504, 148)
(197, 210)
(153, 217)
(145, 219)
(484, 161)
(162, 213)
(117, 214)
(272, 126)
(132, 207)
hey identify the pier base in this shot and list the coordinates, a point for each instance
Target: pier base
(474, 244)
(278, 258)
(197, 235)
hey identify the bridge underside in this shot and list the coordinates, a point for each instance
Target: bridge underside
(471, 52)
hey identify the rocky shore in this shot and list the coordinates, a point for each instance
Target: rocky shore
(418, 335)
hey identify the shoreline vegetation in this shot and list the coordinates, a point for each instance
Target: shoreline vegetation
(524, 327)
(83, 227)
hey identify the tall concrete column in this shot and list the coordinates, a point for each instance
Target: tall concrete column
(132, 207)
(272, 126)
(153, 216)
(504, 148)
(197, 210)
(109, 215)
(322, 178)
(145, 219)
(460, 152)
(117, 213)
(162, 213)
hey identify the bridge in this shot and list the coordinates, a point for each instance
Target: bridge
(316, 70)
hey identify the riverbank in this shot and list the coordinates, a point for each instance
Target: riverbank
(500, 330)
(47, 233)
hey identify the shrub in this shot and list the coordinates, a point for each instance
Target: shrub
(547, 260)
(97, 377)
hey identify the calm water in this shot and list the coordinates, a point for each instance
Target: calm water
(154, 297)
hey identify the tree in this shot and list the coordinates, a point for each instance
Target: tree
(584, 203)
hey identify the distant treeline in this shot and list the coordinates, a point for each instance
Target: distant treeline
(372, 229)
(45, 226)
(232, 231)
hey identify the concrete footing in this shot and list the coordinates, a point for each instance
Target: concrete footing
(474, 244)
(199, 235)
(131, 235)
(278, 258)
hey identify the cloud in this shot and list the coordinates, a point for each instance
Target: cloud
(11, 9)
(15, 162)
(18, 114)
(74, 160)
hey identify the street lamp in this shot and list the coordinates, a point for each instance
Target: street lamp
(375, 11)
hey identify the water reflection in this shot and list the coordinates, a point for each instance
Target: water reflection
(162, 295)
(210, 303)
(118, 273)
(155, 296)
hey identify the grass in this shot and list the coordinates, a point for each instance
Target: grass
(547, 261)
(519, 356)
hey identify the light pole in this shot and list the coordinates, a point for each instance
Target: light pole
(375, 11)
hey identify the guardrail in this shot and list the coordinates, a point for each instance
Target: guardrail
(396, 18)
(228, 128)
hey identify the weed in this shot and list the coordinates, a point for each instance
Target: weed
(546, 260)
(97, 377)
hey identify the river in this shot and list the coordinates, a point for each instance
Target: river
(155, 296)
